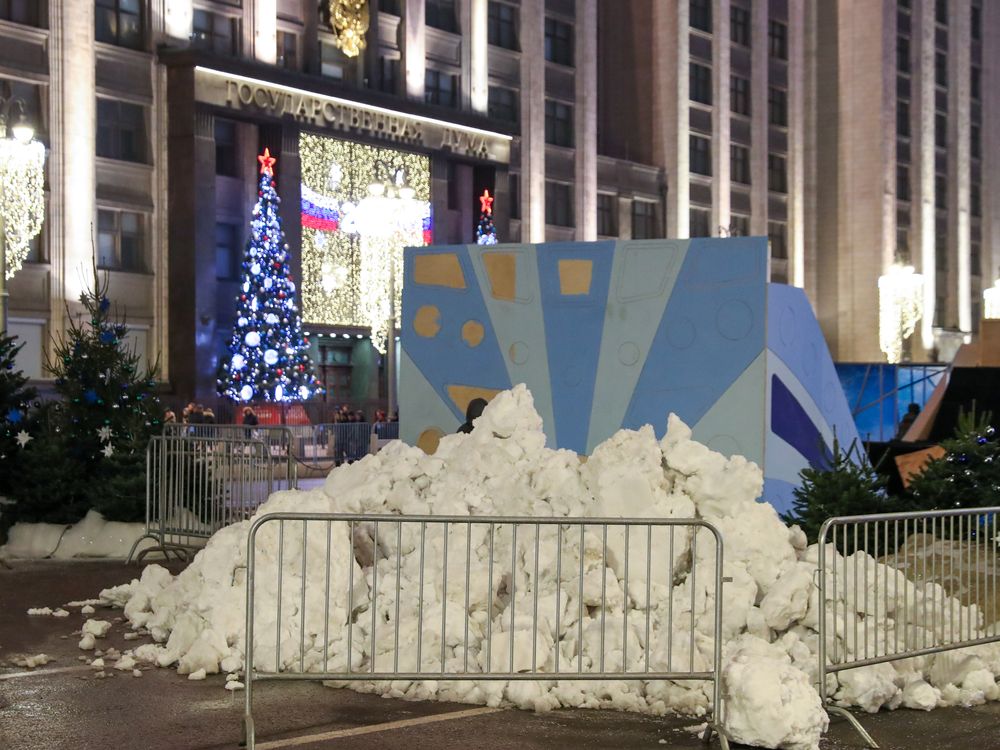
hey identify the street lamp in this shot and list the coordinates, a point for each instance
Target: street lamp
(22, 196)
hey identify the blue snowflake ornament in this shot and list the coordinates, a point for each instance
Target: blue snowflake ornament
(90, 396)
(14, 416)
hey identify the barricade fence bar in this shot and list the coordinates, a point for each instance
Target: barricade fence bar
(278, 439)
(895, 586)
(356, 597)
(341, 442)
(198, 485)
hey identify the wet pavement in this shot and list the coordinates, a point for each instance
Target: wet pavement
(63, 705)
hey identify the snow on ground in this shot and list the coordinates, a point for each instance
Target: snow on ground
(503, 468)
(91, 536)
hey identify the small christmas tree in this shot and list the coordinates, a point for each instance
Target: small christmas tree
(486, 233)
(15, 416)
(848, 486)
(968, 475)
(267, 356)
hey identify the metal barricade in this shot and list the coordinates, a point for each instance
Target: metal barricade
(278, 439)
(486, 598)
(931, 577)
(341, 442)
(198, 485)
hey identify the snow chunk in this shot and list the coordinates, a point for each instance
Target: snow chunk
(198, 675)
(40, 611)
(87, 610)
(30, 662)
(96, 628)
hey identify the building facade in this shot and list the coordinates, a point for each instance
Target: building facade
(153, 112)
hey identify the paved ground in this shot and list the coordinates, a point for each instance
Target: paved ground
(62, 705)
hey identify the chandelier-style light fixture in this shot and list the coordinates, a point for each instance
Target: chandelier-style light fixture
(349, 21)
(991, 301)
(901, 306)
(22, 195)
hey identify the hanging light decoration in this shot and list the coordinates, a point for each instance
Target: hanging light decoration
(22, 196)
(901, 305)
(991, 301)
(349, 21)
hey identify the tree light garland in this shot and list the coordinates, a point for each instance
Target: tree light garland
(22, 197)
(901, 306)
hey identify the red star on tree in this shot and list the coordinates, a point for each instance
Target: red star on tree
(486, 201)
(266, 162)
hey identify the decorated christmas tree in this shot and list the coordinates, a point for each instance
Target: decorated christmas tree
(486, 233)
(968, 475)
(15, 415)
(267, 356)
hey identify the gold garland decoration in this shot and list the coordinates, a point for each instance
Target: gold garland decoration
(349, 21)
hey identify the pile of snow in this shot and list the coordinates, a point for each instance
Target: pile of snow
(504, 468)
(91, 536)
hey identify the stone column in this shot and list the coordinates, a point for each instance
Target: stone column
(414, 48)
(990, 87)
(922, 161)
(72, 174)
(533, 121)
(670, 110)
(265, 31)
(758, 119)
(797, 31)
(959, 231)
(585, 115)
(720, 116)
(624, 217)
(476, 42)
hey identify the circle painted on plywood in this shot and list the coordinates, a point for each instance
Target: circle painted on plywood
(628, 353)
(518, 352)
(473, 333)
(429, 440)
(727, 445)
(681, 333)
(786, 326)
(427, 321)
(734, 320)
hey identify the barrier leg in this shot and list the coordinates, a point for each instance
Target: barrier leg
(248, 740)
(714, 728)
(854, 723)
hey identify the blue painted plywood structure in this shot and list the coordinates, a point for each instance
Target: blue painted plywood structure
(619, 334)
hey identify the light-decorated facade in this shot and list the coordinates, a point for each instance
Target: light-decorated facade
(386, 130)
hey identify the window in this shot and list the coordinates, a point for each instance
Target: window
(228, 257)
(777, 40)
(777, 180)
(514, 182)
(388, 79)
(739, 25)
(558, 123)
(975, 199)
(502, 104)
(32, 96)
(976, 24)
(215, 32)
(739, 164)
(121, 130)
(502, 25)
(975, 141)
(739, 225)
(119, 22)
(975, 258)
(392, 7)
(940, 192)
(332, 62)
(440, 88)
(607, 215)
(941, 12)
(903, 118)
(941, 68)
(441, 15)
(288, 50)
(20, 11)
(558, 204)
(701, 15)
(644, 220)
(701, 155)
(700, 83)
(739, 95)
(120, 241)
(941, 130)
(226, 159)
(902, 182)
(777, 235)
(699, 219)
(902, 243)
(903, 54)
(976, 78)
(777, 106)
(558, 42)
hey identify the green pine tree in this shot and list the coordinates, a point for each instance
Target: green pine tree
(848, 486)
(968, 475)
(16, 417)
